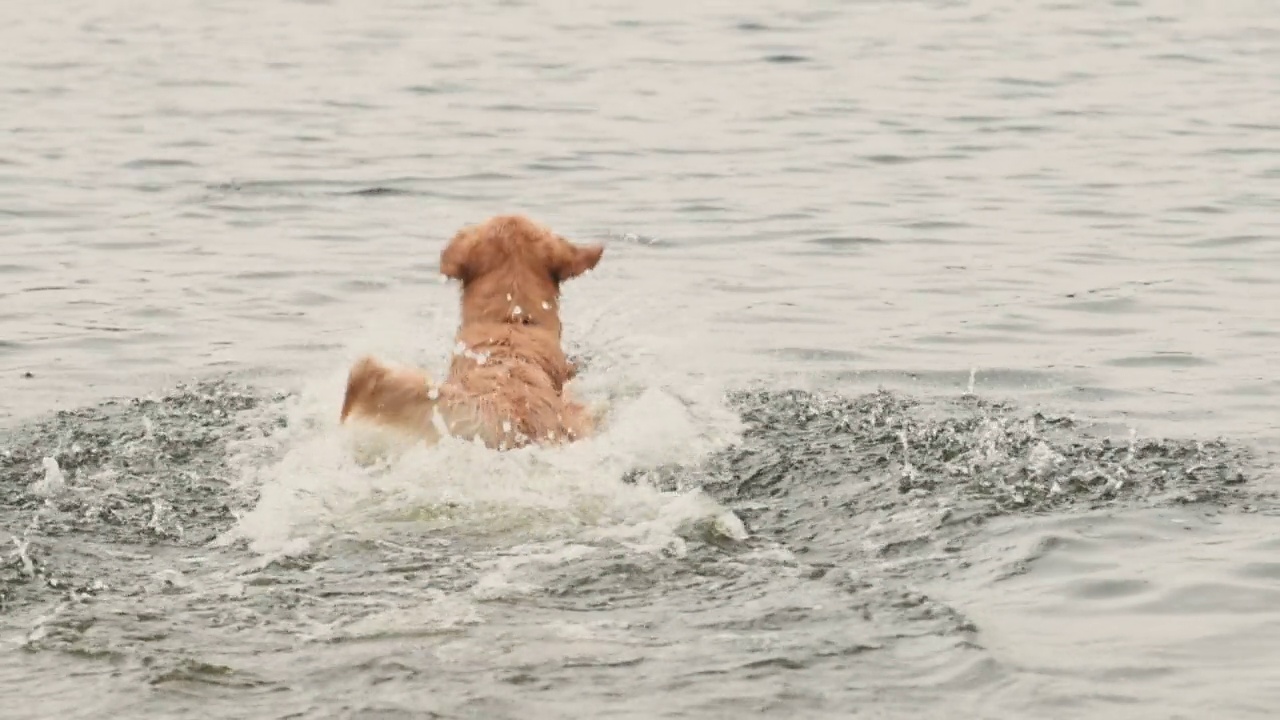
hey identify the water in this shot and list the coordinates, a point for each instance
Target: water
(936, 336)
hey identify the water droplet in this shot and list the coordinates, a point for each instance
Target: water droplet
(438, 422)
(731, 526)
(53, 480)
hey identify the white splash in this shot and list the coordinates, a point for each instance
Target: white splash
(53, 481)
(1043, 460)
(327, 480)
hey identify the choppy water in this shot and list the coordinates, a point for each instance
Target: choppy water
(938, 339)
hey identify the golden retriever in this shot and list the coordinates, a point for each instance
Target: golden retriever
(506, 382)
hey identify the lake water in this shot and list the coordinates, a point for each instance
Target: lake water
(939, 340)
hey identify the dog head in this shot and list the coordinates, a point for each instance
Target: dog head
(511, 269)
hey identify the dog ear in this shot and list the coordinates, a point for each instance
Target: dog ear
(569, 261)
(456, 258)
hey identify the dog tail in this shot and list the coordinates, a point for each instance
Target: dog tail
(403, 398)
(361, 381)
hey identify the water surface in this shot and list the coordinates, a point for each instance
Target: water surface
(1024, 256)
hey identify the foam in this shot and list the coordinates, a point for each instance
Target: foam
(325, 480)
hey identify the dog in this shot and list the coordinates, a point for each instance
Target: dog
(506, 381)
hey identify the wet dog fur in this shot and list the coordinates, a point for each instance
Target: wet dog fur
(507, 380)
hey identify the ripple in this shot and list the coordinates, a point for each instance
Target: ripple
(936, 225)
(785, 59)
(364, 286)
(127, 244)
(1214, 598)
(803, 457)
(379, 191)
(1243, 151)
(1026, 82)
(1109, 589)
(154, 163)
(845, 241)
(1263, 570)
(885, 159)
(818, 354)
(1160, 359)
(1106, 306)
(1183, 58)
(1234, 241)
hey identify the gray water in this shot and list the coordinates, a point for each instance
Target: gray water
(936, 339)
